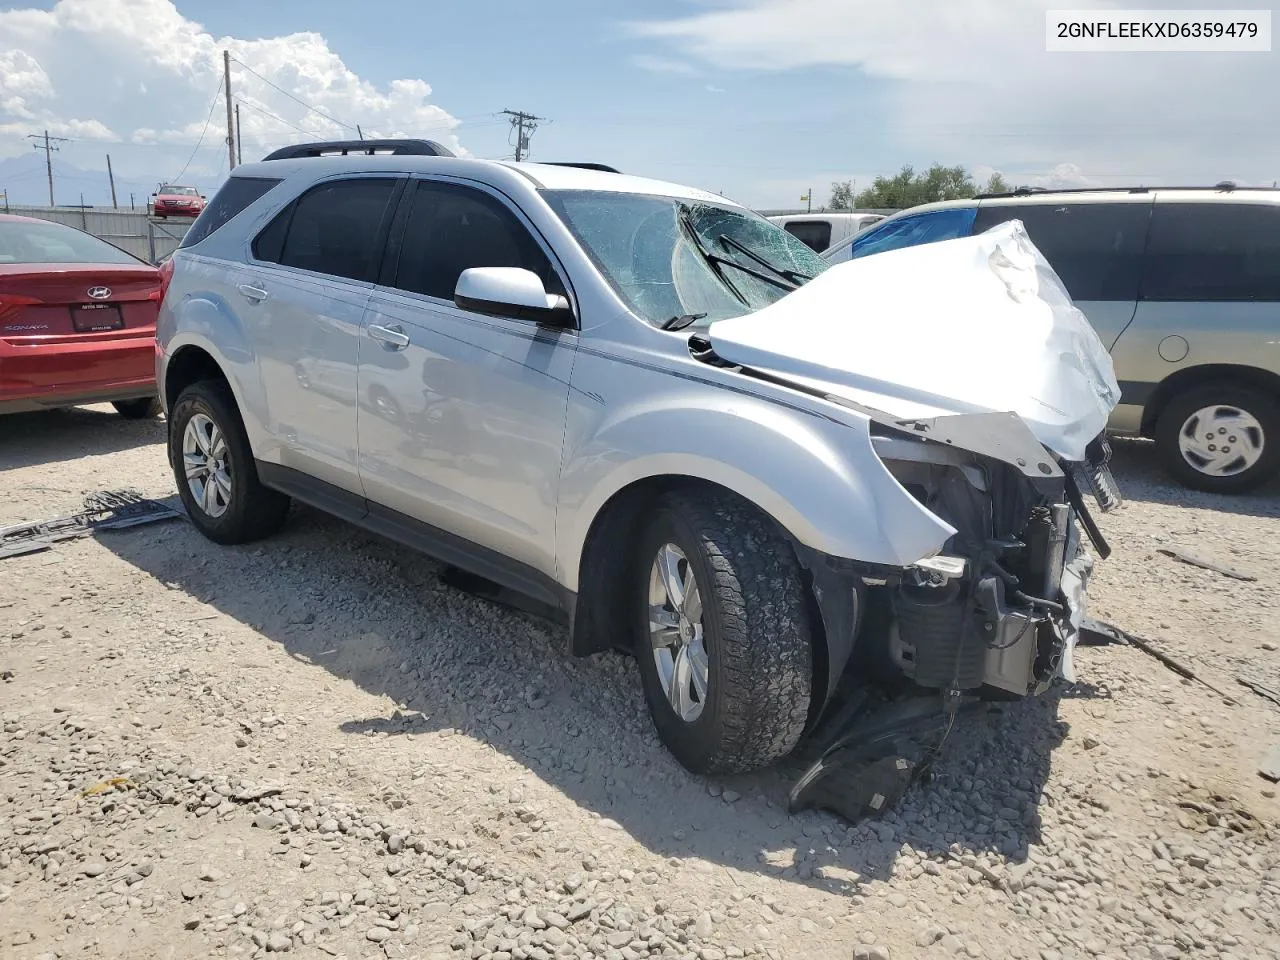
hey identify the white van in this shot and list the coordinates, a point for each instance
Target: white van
(821, 231)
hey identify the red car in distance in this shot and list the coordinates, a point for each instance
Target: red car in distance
(77, 321)
(171, 200)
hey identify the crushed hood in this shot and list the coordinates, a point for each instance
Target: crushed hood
(980, 324)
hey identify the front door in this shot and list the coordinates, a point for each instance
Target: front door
(461, 416)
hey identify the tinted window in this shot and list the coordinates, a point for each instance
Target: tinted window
(334, 228)
(451, 229)
(913, 230)
(232, 197)
(42, 242)
(1095, 248)
(1221, 251)
(814, 234)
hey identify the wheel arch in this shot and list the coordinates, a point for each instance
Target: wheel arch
(605, 572)
(1197, 376)
(189, 363)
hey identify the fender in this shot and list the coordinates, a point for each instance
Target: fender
(821, 480)
(207, 323)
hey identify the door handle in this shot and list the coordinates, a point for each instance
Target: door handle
(393, 338)
(252, 293)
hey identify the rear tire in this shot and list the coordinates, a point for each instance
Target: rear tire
(753, 635)
(224, 498)
(1243, 420)
(147, 408)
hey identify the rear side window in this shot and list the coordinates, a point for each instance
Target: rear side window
(814, 234)
(914, 230)
(1213, 251)
(453, 228)
(334, 228)
(1095, 248)
(231, 198)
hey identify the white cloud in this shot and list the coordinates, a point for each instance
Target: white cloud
(140, 74)
(970, 81)
(679, 68)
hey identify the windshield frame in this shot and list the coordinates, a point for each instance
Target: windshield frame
(719, 260)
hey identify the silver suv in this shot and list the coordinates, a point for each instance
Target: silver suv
(1183, 287)
(516, 368)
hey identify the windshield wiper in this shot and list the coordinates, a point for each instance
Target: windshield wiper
(682, 321)
(713, 261)
(794, 277)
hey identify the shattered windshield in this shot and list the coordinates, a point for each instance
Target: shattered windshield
(674, 259)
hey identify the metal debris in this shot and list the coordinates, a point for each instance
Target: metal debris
(1196, 561)
(109, 510)
(1261, 689)
(1096, 632)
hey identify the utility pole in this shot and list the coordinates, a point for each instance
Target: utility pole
(48, 149)
(239, 143)
(231, 139)
(522, 122)
(111, 177)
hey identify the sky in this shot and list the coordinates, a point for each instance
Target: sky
(757, 99)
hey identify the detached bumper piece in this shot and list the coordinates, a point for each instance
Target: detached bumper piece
(110, 510)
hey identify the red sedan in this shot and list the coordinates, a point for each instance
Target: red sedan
(171, 200)
(77, 321)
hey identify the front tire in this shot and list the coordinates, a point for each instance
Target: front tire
(146, 408)
(214, 468)
(1220, 438)
(724, 646)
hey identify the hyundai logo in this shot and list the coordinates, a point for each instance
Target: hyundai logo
(99, 293)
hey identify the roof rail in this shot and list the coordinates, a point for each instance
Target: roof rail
(396, 148)
(1225, 185)
(585, 166)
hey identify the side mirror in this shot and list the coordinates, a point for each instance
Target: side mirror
(511, 292)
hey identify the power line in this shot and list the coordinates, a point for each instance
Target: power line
(315, 110)
(259, 108)
(207, 120)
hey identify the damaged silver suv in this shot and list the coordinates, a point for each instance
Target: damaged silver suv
(652, 413)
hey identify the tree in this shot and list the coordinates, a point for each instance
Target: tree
(841, 196)
(909, 188)
(997, 184)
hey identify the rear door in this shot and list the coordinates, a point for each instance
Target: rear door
(1095, 248)
(302, 300)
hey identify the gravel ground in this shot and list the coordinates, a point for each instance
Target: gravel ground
(311, 746)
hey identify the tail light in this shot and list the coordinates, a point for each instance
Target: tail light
(166, 274)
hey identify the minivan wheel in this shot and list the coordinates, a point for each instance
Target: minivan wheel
(1220, 438)
(214, 468)
(724, 649)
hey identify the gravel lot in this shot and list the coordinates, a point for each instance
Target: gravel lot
(311, 746)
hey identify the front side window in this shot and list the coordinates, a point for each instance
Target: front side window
(452, 228)
(1094, 248)
(667, 257)
(1213, 251)
(334, 228)
(911, 231)
(814, 234)
(232, 197)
